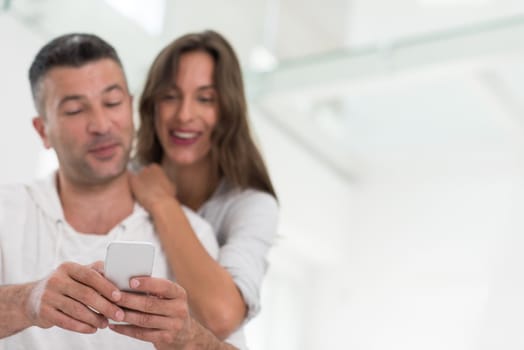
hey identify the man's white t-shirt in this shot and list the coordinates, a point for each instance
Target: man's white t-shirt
(35, 238)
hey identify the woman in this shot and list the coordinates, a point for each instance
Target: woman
(195, 145)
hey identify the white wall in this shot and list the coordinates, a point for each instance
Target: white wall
(425, 254)
(19, 143)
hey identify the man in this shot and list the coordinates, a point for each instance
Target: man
(52, 232)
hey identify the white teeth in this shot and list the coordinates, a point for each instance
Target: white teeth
(184, 135)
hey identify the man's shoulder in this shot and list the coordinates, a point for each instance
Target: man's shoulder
(14, 199)
(203, 230)
(16, 196)
(13, 192)
(197, 222)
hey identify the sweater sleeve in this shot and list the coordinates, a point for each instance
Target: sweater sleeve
(249, 225)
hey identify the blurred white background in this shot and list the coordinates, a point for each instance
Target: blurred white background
(394, 132)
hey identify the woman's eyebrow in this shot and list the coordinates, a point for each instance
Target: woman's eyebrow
(206, 87)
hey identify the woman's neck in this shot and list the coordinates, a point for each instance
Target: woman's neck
(195, 183)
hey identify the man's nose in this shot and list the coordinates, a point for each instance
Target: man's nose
(99, 122)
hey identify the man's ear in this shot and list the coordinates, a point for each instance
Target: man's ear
(40, 127)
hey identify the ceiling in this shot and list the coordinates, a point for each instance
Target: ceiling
(360, 85)
(373, 109)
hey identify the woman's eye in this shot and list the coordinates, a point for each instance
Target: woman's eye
(170, 97)
(206, 99)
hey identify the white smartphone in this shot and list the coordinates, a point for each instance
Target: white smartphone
(127, 259)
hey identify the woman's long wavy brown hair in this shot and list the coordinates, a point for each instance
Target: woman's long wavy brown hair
(233, 150)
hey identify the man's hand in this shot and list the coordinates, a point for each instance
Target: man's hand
(68, 296)
(162, 316)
